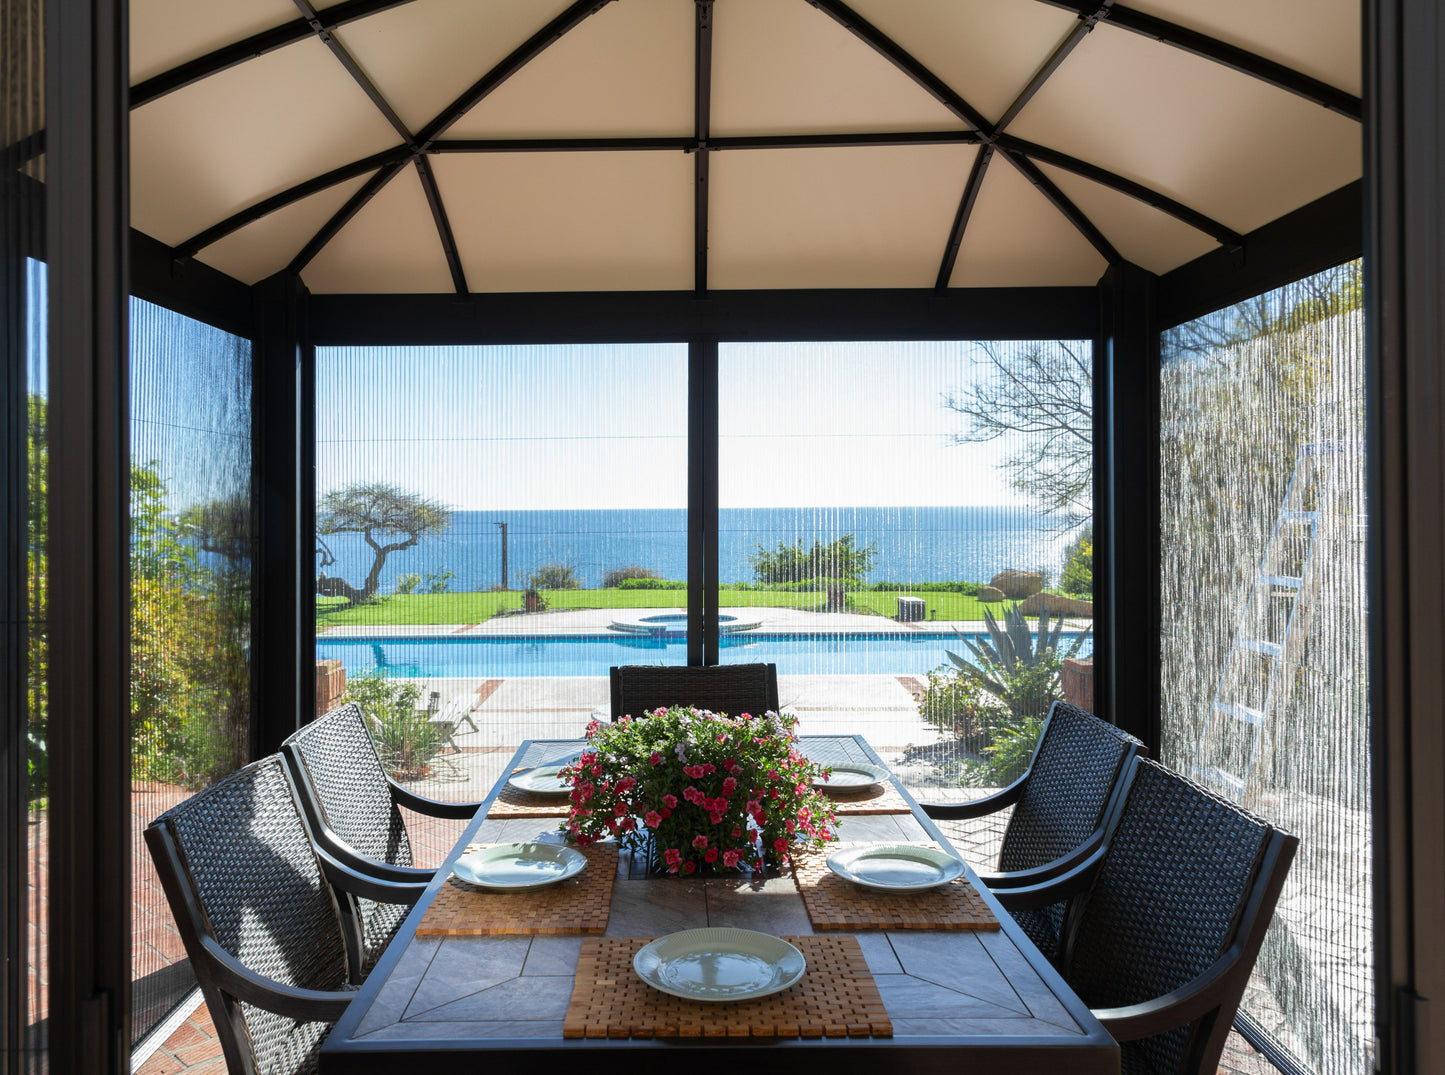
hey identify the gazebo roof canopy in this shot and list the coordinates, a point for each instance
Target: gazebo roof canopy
(434, 146)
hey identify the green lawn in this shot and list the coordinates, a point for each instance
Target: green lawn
(466, 608)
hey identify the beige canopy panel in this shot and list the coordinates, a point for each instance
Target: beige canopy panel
(390, 146)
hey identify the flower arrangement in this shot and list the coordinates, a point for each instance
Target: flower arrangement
(699, 791)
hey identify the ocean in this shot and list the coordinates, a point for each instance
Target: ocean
(914, 544)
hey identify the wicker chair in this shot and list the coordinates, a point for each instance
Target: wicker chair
(1061, 805)
(1166, 920)
(353, 808)
(723, 688)
(254, 903)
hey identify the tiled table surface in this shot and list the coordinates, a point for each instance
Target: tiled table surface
(987, 1000)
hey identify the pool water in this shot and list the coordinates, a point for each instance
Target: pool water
(500, 657)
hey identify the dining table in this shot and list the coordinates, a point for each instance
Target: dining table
(941, 981)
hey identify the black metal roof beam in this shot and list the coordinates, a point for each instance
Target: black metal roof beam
(960, 219)
(360, 77)
(444, 227)
(884, 45)
(1221, 233)
(1231, 56)
(1080, 31)
(689, 144)
(1061, 202)
(256, 45)
(509, 66)
(253, 213)
(343, 215)
(702, 125)
(505, 69)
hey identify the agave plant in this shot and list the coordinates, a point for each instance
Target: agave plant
(1013, 667)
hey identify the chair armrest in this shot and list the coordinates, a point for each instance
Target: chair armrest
(344, 853)
(368, 885)
(1071, 883)
(432, 807)
(1195, 998)
(1049, 870)
(978, 807)
(307, 1005)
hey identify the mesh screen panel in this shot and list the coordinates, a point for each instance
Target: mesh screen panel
(191, 550)
(1265, 671)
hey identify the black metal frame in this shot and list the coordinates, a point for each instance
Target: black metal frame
(87, 192)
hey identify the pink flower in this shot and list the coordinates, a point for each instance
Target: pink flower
(729, 786)
(656, 758)
(697, 772)
(628, 824)
(772, 774)
(730, 858)
(672, 856)
(780, 844)
(689, 867)
(625, 785)
(737, 831)
(612, 825)
(710, 855)
(653, 819)
(731, 765)
(619, 809)
(665, 812)
(699, 840)
(669, 800)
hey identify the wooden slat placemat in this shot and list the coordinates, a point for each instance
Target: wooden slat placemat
(834, 903)
(835, 998)
(881, 798)
(577, 905)
(510, 802)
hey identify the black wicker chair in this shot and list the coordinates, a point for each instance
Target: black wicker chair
(353, 808)
(1166, 920)
(1061, 806)
(254, 902)
(733, 689)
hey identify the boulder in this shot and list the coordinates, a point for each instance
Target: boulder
(1017, 584)
(1057, 605)
(990, 593)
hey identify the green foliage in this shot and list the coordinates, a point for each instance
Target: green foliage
(837, 562)
(406, 741)
(1077, 576)
(406, 584)
(553, 577)
(1022, 674)
(969, 589)
(37, 665)
(652, 584)
(376, 511)
(958, 707)
(631, 573)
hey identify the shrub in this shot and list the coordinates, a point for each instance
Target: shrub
(652, 584)
(618, 575)
(408, 583)
(553, 577)
(957, 706)
(406, 740)
(1078, 574)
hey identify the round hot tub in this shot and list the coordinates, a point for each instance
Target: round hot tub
(673, 624)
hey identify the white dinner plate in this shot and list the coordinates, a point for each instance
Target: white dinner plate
(542, 780)
(895, 867)
(514, 867)
(717, 965)
(852, 776)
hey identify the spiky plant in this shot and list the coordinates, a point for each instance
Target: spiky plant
(1012, 666)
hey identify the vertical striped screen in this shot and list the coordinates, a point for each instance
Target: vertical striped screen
(879, 502)
(191, 549)
(1265, 675)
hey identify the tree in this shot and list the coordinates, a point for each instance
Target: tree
(376, 511)
(838, 560)
(1078, 573)
(1043, 401)
(222, 527)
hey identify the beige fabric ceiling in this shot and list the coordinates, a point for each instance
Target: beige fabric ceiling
(961, 202)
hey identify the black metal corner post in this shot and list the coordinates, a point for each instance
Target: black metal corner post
(702, 537)
(1126, 505)
(283, 642)
(1405, 350)
(89, 805)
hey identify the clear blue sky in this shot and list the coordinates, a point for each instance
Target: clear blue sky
(605, 426)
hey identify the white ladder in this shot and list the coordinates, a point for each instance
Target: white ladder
(1259, 670)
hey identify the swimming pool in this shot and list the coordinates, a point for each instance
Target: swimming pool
(499, 657)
